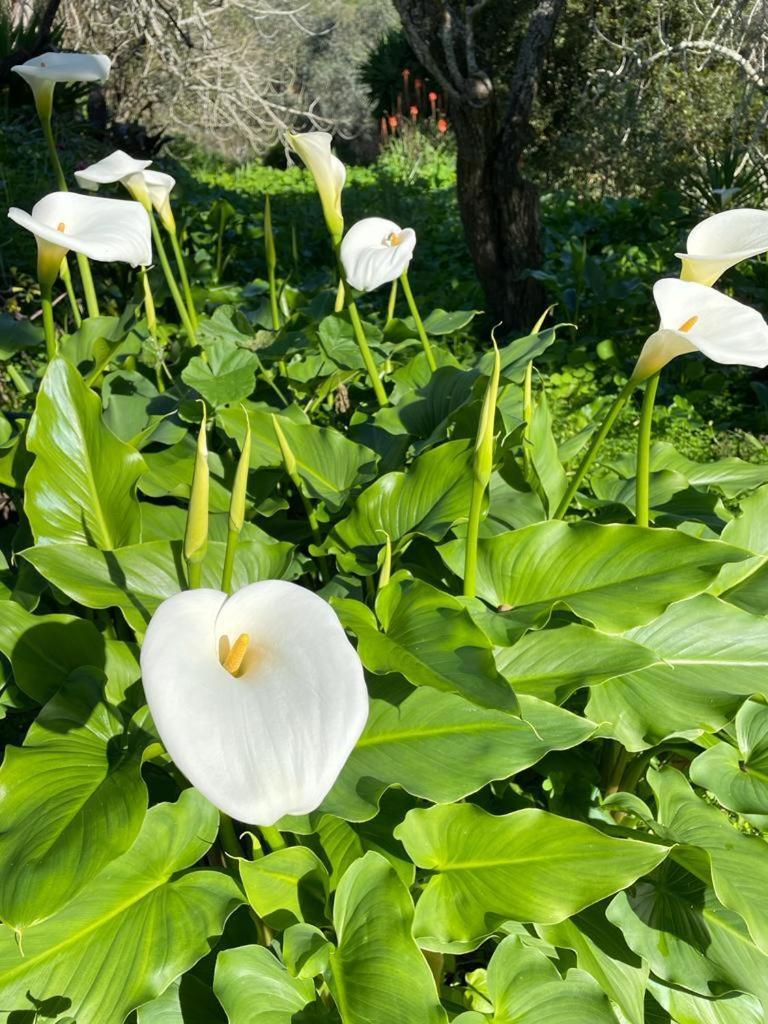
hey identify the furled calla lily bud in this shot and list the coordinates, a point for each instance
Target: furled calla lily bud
(196, 535)
(42, 73)
(259, 697)
(102, 229)
(329, 173)
(160, 185)
(376, 251)
(697, 318)
(483, 460)
(722, 241)
(240, 483)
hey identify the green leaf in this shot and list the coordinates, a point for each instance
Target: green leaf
(142, 921)
(72, 798)
(745, 584)
(255, 988)
(18, 335)
(552, 663)
(426, 499)
(736, 863)
(82, 486)
(329, 464)
(441, 747)
(138, 578)
(439, 322)
(488, 869)
(306, 951)
(378, 973)
(733, 1008)
(732, 476)
(287, 886)
(712, 656)
(738, 776)
(169, 474)
(525, 987)
(430, 638)
(616, 577)
(186, 1001)
(227, 375)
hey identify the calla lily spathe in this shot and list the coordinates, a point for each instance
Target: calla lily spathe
(102, 229)
(42, 73)
(259, 697)
(376, 251)
(697, 318)
(151, 188)
(329, 173)
(721, 241)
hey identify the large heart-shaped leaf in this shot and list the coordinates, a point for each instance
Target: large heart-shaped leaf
(227, 374)
(616, 577)
(72, 797)
(488, 868)
(255, 988)
(81, 488)
(142, 921)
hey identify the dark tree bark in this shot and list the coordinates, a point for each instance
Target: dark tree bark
(499, 208)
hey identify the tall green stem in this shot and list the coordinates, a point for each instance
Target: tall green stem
(273, 306)
(365, 352)
(419, 323)
(66, 277)
(49, 328)
(233, 538)
(173, 288)
(89, 289)
(392, 302)
(61, 181)
(473, 536)
(594, 446)
(643, 474)
(183, 275)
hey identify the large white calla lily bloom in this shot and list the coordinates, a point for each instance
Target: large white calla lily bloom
(259, 697)
(150, 188)
(375, 251)
(102, 229)
(721, 241)
(329, 173)
(42, 73)
(697, 318)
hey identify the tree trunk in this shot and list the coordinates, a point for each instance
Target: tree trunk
(500, 214)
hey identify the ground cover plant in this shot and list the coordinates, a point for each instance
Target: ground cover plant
(337, 685)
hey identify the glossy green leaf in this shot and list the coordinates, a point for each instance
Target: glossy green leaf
(187, 1001)
(255, 988)
(378, 973)
(712, 656)
(686, 1008)
(552, 663)
(72, 798)
(430, 639)
(286, 886)
(441, 747)
(81, 488)
(136, 579)
(227, 374)
(141, 922)
(487, 868)
(169, 474)
(616, 577)
(732, 476)
(738, 776)
(745, 584)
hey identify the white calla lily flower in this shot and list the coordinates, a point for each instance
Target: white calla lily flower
(259, 697)
(695, 318)
(150, 188)
(102, 229)
(160, 185)
(42, 73)
(376, 251)
(329, 173)
(721, 241)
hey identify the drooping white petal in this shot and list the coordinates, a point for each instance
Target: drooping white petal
(696, 317)
(65, 67)
(375, 251)
(721, 241)
(159, 186)
(115, 167)
(102, 229)
(272, 740)
(329, 173)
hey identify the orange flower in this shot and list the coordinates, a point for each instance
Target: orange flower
(442, 126)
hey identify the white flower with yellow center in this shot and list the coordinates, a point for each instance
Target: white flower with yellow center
(329, 173)
(695, 318)
(259, 697)
(42, 73)
(102, 229)
(721, 241)
(376, 251)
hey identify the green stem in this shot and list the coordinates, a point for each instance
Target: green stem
(228, 837)
(66, 277)
(591, 452)
(183, 275)
(473, 535)
(643, 475)
(338, 304)
(365, 352)
(171, 280)
(21, 385)
(61, 181)
(89, 289)
(392, 302)
(528, 418)
(49, 328)
(220, 248)
(273, 306)
(272, 837)
(419, 323)
(233, 538)
(194, 575)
